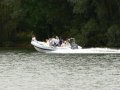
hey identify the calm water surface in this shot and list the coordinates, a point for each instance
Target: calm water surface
(30, 70)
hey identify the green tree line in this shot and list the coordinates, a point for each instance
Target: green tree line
(94, 23)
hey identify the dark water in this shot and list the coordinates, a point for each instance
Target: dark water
(30, 70)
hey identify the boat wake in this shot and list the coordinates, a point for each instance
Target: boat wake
(88, 51)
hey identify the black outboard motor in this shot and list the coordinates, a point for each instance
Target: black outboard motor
(73, 44)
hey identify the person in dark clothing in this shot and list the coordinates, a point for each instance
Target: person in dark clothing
(60, 41)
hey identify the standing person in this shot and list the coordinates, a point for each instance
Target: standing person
(52, 42)
(60, 41)
(57, 41)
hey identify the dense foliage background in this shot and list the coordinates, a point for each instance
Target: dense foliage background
(94, 23)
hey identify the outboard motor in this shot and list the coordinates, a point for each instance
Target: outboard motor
(73, 44)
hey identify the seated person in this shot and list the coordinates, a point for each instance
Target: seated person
(33, 38)
(64, 44)
(47, 41)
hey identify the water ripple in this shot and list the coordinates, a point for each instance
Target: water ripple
(21, 70)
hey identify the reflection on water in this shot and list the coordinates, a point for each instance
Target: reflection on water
(29, 70)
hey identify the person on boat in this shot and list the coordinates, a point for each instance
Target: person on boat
(60, 41)
(33, 38)
(57, 41)
(64, 44)
(52, 42)
(47, 41)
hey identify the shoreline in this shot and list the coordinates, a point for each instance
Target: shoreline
(16, 47)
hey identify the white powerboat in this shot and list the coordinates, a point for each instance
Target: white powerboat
(45, 47)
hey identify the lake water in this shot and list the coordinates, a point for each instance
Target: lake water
(31, 70)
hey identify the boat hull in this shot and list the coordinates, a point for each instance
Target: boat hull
(42, 46)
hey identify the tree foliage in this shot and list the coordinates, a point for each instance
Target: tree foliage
(47, 17)
(94, 23)
(97, 18)
(9, 18)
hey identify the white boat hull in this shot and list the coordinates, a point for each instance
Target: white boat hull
(42, 46)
